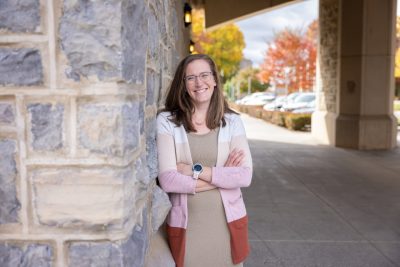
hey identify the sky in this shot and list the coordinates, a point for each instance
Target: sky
(260, 29)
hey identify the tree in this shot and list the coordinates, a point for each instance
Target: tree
(397, 58)
(290, 59)
(224, 45)
(242, 77)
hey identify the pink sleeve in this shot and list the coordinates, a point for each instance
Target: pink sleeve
(171, 180)
(231, 177)
(235, 177)
(174, 182)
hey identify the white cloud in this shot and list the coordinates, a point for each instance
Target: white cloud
(260, 29)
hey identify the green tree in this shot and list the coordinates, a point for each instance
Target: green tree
(242, 78)
(224, 44)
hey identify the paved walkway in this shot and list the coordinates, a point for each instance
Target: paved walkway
(312, 205)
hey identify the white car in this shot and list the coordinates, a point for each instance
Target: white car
(243, 100)
(276, 104)
(306, 110)
(260, 100)
(303, 100)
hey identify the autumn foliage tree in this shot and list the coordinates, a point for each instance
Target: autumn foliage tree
(290, 59)
(224, 44)
(397, 59)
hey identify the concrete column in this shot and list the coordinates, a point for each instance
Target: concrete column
(324, 118)
(358, 111)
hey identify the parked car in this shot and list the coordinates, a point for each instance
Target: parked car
(300, 101)
(306, 110)
(258, 98)
(246, 98)
(280, 101)
(276, 104)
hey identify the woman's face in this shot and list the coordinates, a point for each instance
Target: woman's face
(199, 81)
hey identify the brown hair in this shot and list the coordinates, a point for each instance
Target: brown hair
(179, 103)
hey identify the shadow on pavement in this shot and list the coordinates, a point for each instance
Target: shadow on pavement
(313, 205)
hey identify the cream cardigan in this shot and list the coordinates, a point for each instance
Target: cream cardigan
(173, 147)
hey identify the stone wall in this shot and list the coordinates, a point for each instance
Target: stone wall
(328, 55)
(80, 83)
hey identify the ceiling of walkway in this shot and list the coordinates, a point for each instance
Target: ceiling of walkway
(219, 12)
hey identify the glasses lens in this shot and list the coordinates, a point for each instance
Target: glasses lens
(190, 78)
(205, 76)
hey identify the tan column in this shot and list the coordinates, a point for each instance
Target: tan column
(363, 114)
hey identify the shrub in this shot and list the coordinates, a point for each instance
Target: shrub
(255, 111)
(292, 121)
(278, 118)
(297, 122)
(266, 115)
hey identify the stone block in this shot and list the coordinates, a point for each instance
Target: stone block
(20, 16)
(28, 255)
(153, 38)
(105, 39)
(90, 35)
(150, 80)
(10, 205)
(7, 114)
(134, 249)
(22, 66)
(109, 128)
(160, 206)
(88, 254)
(86, 198)
(141, 116)
(158, 8)
(134, 33)
(130, 120)
(46, 126)
(152, 87)
(130, 252)
(142, 172)
(151, 148)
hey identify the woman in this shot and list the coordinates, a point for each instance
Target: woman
(204, 160)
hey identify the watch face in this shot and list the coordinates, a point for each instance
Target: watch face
(197, 167)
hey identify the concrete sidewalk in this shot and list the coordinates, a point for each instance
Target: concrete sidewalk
(312, 205)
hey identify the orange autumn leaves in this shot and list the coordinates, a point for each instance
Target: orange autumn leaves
(290, 59)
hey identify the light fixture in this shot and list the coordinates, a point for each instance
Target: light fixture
(187, 14)
(191, 47)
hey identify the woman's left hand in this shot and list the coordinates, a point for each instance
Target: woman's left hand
(184, 169)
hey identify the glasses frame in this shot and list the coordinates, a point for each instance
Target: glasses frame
(198, 77)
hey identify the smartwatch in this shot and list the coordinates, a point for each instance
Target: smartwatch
(197, 168)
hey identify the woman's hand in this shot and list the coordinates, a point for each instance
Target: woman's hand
(235, 158)
(184, 169)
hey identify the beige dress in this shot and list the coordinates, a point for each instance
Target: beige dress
(207, 234)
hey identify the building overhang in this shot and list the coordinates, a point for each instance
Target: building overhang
(220, 12)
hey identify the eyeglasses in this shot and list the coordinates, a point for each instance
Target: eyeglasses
(204, 77)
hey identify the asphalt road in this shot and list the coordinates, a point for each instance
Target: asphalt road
(312, 205)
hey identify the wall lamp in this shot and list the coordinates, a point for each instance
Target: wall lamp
(191, 47)
(187, 14)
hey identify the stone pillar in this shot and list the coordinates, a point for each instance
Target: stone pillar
(359, 113)
(80, 83)
(323, 119)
